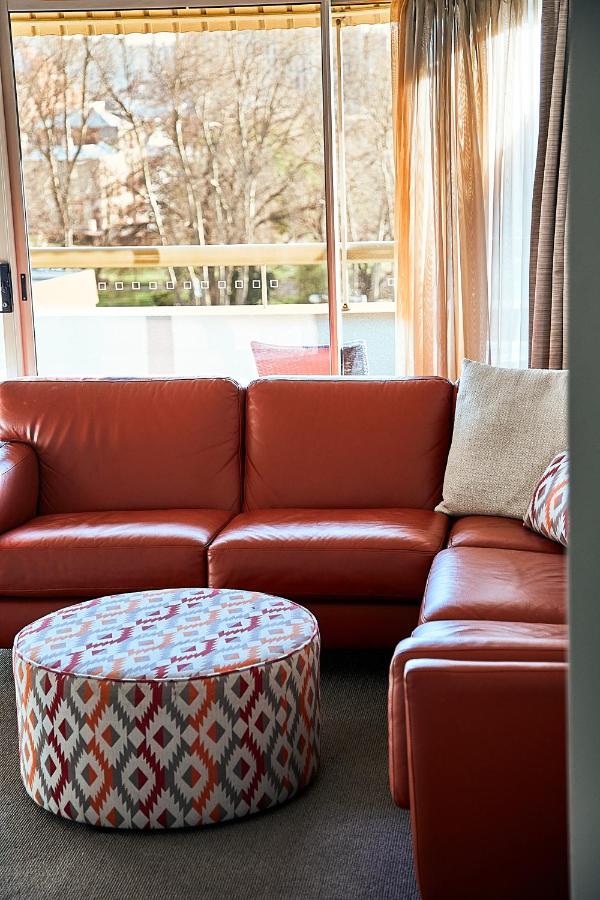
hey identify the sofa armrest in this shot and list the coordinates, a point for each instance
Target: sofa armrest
(488, 779)
(461, 640)
(19, 481)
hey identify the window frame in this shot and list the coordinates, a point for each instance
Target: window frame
(23, 362)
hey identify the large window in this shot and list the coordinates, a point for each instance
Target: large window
(363, 118)
(174, 176)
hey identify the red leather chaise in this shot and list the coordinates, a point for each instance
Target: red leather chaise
(477, 744)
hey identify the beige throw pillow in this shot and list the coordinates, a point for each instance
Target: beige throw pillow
(508, 426)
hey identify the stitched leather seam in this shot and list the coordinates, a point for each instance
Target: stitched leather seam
(422, 651)
(87, 593)
(389, 601)
(284, 547)
(107, 548)
(6, 472)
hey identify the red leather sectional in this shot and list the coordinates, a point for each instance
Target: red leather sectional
(323, 491)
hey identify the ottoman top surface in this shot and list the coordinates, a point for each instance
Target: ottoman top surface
(167, 634)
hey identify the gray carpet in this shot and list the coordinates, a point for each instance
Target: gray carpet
(342, 838)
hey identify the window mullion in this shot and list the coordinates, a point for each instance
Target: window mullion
(331, 207)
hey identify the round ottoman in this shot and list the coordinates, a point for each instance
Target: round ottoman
(163, 709)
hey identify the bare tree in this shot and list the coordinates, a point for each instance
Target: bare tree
(55, 97)
(219, 142)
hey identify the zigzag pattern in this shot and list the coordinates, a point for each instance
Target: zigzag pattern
(548, 512)
(170, 752)
(166, 634)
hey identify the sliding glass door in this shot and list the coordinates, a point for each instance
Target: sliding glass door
(10, 360)
(207, 189)
(363, 121)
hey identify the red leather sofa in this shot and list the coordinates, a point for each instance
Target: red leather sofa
(324, 494)
(322, 490)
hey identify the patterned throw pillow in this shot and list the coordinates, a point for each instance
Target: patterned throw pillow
(548, 511)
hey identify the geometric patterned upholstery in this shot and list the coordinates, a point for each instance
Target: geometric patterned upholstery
(165, 709)
(548, 512)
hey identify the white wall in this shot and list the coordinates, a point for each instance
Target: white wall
(194, 340)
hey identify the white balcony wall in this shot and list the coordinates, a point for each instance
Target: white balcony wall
(215, 341)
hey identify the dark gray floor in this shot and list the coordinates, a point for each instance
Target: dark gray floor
(343, 838)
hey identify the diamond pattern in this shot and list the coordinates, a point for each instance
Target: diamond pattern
(168, 752)
(548, 512)
(174, 634)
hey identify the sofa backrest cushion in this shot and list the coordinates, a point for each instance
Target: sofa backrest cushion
(346, 443)
(114, 444)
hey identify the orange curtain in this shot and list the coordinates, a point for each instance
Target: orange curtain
(462, 201)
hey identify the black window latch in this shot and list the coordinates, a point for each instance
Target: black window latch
(6, 292)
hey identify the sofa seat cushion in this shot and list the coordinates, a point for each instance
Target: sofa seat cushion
(90, 554)
(500, 533)
(341, 553)
(496, 585)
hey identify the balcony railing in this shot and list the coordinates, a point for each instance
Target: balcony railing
(83, 326)
(296, 254)
(96, 262)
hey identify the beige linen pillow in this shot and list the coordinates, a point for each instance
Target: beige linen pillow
(509, 424)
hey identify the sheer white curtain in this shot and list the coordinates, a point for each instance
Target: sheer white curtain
(513, 54)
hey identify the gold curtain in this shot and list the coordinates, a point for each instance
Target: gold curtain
(462, 147)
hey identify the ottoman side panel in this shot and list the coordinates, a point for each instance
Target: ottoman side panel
(169, 753)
